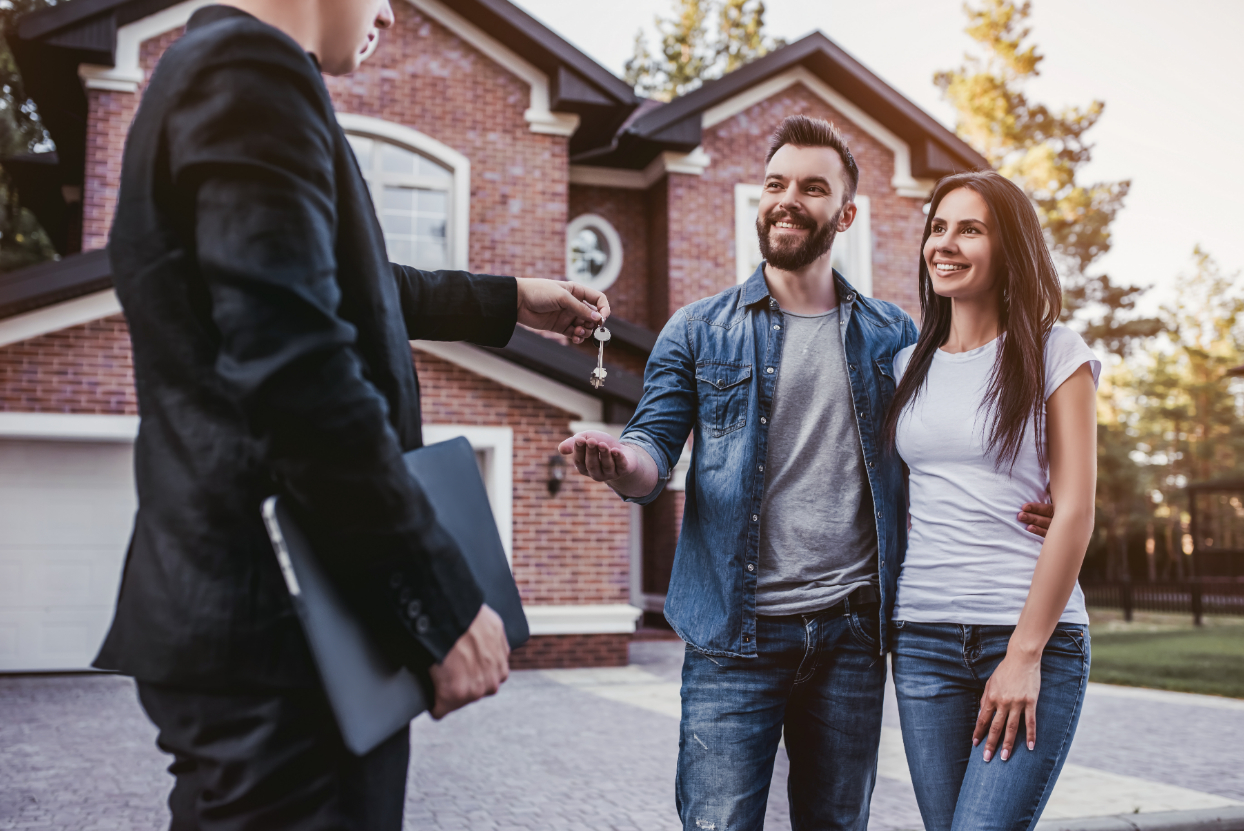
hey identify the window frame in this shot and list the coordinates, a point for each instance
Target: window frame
(459, 214)
(858, 269)
(613, 268)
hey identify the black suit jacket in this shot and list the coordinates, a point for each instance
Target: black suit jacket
(271, 354)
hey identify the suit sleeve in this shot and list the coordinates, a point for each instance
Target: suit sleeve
(251, 155)
(457, 305)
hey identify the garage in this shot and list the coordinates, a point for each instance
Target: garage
(66, 510)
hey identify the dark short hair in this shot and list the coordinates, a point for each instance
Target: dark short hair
(802, 131)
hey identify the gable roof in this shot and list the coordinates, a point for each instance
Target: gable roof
(935, 150)
(51, 44)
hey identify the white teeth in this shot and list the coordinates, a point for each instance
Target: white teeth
(949, 267)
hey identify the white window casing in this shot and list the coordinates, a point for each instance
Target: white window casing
(852, 253)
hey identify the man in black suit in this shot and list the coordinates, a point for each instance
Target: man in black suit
(271, 354)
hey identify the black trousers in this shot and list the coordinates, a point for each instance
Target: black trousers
(269, 761)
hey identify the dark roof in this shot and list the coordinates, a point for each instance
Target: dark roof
(935, 150)
(50, 44)
(44, 284)
(52, 282)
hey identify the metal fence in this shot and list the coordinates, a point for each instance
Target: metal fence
(1196, 598)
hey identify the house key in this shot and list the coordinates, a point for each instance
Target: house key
(598, 375)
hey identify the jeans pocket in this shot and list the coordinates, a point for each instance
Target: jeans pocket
(866, 629)
(1068, 640)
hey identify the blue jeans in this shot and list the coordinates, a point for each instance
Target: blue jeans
(820, 676)
(940, 671)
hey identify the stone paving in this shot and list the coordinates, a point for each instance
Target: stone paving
(571, 749)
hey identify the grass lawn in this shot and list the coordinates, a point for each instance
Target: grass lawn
(1169, 654)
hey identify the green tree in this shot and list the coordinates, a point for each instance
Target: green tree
(692, 51)
(1045, 152)
(1170, 415)
(22, 240)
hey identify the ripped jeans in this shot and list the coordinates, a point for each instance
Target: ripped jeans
(819, 676)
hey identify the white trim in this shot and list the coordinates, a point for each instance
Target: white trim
(459, 245)
(127, 73)
(858, 239)
(538, 114)
(69, 427)
(614, 430)
(902, 181)
(613, 267)
(497, 443)
(692, 164)
(588, 619)
(521, 379)
(59, 316)
(745, 242)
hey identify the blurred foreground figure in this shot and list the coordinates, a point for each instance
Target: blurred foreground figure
(271, 355)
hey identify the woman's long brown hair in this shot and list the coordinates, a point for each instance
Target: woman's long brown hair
(1029, 303)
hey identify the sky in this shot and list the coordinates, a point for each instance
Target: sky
(1171, 76)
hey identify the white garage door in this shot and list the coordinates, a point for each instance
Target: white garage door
(66, 510)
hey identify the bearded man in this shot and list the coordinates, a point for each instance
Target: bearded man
(795, 521)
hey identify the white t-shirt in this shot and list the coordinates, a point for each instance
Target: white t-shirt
(969, 560)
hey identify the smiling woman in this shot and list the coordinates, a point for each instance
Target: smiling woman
(994, 408)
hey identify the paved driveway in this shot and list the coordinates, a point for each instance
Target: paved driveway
(580, 749)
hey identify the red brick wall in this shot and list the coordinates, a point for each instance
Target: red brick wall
(701, 208)
(108, 120)
(571, 548)
(571, 651)
(82, 369)
(626, 211)
(426, 78)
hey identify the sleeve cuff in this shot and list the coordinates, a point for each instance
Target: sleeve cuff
(663, 466)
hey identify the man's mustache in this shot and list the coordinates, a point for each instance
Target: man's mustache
(774, 217)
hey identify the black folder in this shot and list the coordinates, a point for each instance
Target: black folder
(371, 697)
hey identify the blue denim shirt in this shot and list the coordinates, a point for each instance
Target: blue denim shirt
(712, 373)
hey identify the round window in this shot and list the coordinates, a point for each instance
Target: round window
(593, 252)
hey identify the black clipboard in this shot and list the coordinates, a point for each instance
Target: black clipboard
(370, 697)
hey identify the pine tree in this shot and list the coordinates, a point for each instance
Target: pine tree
(22, 240)
(1045, 152)
(691, 52)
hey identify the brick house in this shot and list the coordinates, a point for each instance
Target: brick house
(490, 144)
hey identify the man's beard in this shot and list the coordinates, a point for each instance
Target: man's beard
(789, 255)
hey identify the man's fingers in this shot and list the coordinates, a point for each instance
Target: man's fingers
(605, 457)
(580, 456)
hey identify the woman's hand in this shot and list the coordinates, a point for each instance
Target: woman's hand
(1010, 695)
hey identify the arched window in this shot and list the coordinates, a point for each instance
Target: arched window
(420, 189)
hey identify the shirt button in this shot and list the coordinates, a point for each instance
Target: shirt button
(762, 467)
(747, 639)
(764, 420)
(872, 464)
(755, 518)
(413, 608)
(751, 567)
(878, 514)
(395, 579)
(776, 326)
(769, 370)
(853, 367)
(422, 625)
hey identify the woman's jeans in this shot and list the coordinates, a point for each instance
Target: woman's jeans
(819, 678)
(940, 670)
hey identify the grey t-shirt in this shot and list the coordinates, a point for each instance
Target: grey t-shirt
(818, 540)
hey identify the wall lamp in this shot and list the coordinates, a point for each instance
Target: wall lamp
(557, 473)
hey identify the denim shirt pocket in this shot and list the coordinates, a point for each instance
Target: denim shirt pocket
(885, 383)
(723, 389)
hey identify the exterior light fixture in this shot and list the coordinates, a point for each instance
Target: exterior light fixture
(557, 473)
